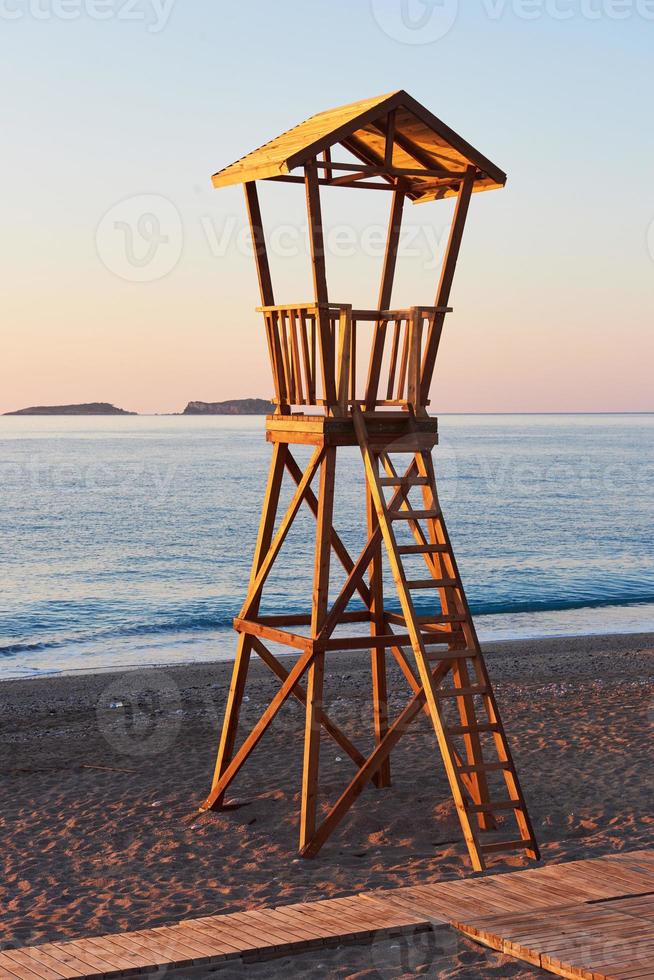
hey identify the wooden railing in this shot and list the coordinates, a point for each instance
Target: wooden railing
(334, 356)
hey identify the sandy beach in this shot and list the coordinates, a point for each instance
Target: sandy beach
(102, 774)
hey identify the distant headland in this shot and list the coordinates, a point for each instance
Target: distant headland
(87, 408)
(236, 406)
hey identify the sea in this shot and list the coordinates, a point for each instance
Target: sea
(127, 541)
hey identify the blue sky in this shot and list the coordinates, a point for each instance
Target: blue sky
(555, 290)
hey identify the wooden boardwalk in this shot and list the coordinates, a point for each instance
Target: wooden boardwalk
(586, 919)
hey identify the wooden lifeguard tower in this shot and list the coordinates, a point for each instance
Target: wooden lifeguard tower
(365, 377)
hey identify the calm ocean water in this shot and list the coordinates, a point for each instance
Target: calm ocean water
(128, 540)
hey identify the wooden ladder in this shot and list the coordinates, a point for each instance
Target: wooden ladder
(475, 750)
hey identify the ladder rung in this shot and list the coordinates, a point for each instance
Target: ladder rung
(422, 549)
(492, 807)
(507, 845)
(403, 481)
(449, 654)
(440, 638)
(412, 515)
(457, 692)
(438, 620)
(485, 726)
(485, 767)
(430, 583)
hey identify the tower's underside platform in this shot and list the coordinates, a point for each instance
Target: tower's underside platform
(389, 431)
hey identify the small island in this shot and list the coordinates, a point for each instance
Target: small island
(235, 406)
(87, 408)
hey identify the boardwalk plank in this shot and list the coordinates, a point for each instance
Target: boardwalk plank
(584, 919)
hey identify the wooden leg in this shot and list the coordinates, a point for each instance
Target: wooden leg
(232, 711)
(313, 717)
(244, 648)
(382, 778)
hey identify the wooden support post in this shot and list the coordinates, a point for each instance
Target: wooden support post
(385, 293)
(242, 661)
(382, 778)
(259, 244)
(445, 284)
(317, 244)
(315, 683)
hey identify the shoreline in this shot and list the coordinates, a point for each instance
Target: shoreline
(582, 642)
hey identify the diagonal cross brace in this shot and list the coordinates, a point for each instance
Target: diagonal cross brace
(337, 544)
(359, 568)
(299, 692)
(373, 762)
(282, 531)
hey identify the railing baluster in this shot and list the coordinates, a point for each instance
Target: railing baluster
(401, 378)
(313, 357)
(415, 337)
(392, 366)
(295, 351)
(306, 358)
(344, 353)
(288, 376)
(353, 361)
(374, 368)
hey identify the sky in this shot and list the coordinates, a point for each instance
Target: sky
(127, 277)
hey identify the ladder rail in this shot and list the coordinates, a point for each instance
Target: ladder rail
(467, 777)
(425, 674)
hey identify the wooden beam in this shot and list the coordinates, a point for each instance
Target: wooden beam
(340, 550)
(390, 140)
(300, 694)
(322, 182)
(316, 677)
(259, 730)
(383, 171)
(359, 568)
(445, 284)
(371, 766)
(254, 593)
(259, 243)
(316, 238)
(317, 244)
(384, 301)
(242, 660)
(378, 653)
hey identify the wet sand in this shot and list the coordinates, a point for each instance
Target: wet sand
(101, 776)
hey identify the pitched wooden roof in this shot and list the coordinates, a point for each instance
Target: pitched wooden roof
(421, 142)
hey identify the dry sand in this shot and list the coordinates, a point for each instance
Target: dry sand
(97, 813)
